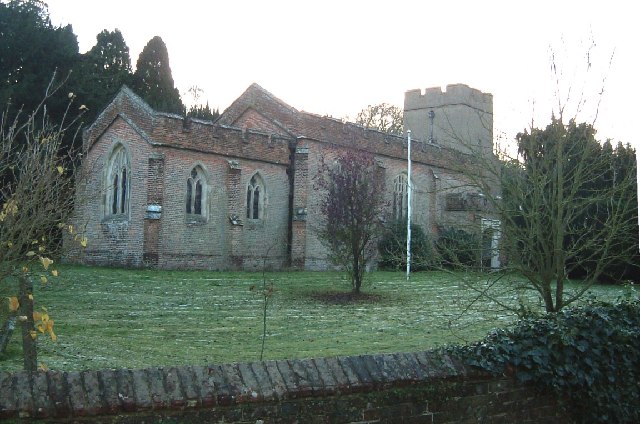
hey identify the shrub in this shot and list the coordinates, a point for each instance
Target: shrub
(457, 248)
(589, 356)
(393, 248)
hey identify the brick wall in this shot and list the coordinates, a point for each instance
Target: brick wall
(257, 134)
(401, 388)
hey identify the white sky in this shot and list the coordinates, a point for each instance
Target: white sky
(336, 57)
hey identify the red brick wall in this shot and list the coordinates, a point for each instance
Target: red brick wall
(415, 387)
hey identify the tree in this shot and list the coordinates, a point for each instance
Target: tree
(197, 110)
(102, 71)
(563, 207)
(622, 161)
(36, 199)
(382, 117)
(31, 50)
(153, 79)
(353, 206)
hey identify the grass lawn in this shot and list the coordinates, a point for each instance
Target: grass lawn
(108, 318)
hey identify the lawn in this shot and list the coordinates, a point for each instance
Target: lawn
(108, 318)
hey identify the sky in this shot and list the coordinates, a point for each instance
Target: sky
(336, 57)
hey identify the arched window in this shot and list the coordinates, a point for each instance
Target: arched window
(196, 192)
(400, 190)
(255, 198)
(117, 184)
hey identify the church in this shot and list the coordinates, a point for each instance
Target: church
(164, 191)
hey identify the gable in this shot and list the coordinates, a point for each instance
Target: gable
(252, 119)
(126, 105)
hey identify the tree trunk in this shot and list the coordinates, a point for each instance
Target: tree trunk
(30, 354)
(548, 299)
(356, 280)
(7, 331)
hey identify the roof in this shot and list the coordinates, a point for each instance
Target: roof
(169, 130)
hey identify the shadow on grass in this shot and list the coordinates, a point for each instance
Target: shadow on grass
(345, 298)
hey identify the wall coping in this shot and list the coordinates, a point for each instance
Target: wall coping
(90, 393)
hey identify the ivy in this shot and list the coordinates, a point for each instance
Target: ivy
(589, 357)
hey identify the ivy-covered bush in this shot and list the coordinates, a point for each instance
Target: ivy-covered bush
(393, 248)
(457, 248)
(589, 356)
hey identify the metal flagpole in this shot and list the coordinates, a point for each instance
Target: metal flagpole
(408, 203)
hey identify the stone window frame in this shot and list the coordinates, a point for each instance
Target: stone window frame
(256, 198)
(197, 177)
(399, 201)
(117, 197)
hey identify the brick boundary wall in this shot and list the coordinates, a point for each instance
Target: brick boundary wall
(416, 387)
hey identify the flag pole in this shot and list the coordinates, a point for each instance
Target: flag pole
(408, 203)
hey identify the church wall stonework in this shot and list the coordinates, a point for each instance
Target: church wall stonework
(258, 135)
(115, 241)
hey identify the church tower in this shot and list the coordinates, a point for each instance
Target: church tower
(458, 118)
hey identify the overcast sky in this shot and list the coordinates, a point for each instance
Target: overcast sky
(336, 57)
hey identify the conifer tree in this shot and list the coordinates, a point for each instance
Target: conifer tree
(153, 79)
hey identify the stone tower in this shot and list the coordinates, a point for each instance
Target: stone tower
(459, 118)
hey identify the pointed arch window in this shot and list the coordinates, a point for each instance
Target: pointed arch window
(196, 192)
(255, 198)
(118, 183)
(400, 190)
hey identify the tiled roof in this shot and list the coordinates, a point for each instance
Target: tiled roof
(305, 125)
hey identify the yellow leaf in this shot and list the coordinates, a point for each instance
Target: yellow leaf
(41, 249)
(60, 170)
(37, 316)
(34, 335)
(40, 328)
(13, 304)
(70, 229)
(30, 297)
(50, 331)
(54, 272)
(30, 253)
(34, 242)
(43, 279)
(9, 244)
(45, 262)
(43, 367)
(25, 269)
(61, 225)
(83, 242)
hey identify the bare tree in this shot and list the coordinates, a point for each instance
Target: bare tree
(352, 205)
(37, 200)
(382, 117)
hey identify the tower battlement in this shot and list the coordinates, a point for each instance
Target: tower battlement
(460, 117)
(453, 94)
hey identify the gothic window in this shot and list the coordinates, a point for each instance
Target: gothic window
(400, 190)
(117, 184)
(196, 192)
(255, 198)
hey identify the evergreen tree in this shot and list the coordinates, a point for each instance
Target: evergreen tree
(31, 51)
(203, 112)
(153, 80)
(102, 71)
